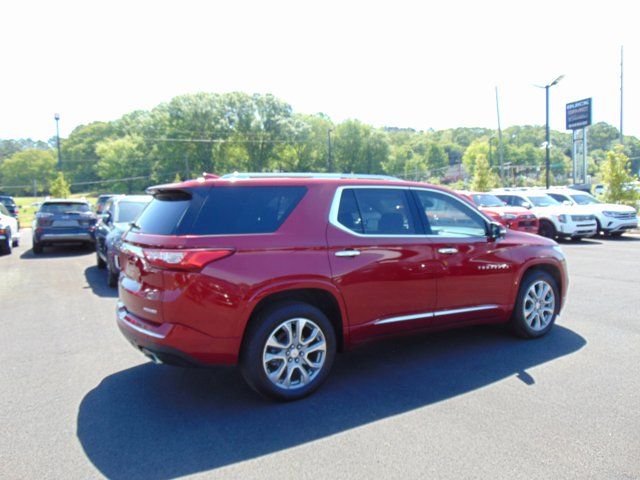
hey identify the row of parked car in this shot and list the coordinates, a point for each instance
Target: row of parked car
(278, 273)
(558, 212)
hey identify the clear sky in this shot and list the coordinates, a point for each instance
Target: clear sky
(407, 64)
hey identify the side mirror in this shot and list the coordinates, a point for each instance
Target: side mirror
(106, 218)
(496, 231)
(527, 205)
(567, 202)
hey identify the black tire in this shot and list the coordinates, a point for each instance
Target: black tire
(616, 234)
(519, 323)
(258, 333)
(16, 240)
(37, 248)
(7, 244)
(100, 263)
(546, 229)
(112, 277)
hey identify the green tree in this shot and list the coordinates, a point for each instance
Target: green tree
(483, 178)
(122, 160)
(616, 176)
(59, 187)
(359, 148)
(27, 166)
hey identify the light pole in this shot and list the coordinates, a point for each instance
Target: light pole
(547, 136)
(57, 117)
(330, 159)
(490, 148)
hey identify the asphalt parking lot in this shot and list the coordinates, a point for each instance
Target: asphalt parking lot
(79, 402)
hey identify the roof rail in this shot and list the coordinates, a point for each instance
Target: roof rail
(245, 175)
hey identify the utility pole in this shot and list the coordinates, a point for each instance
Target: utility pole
(621, 91)
(57, 117)
(500, 146)
(330, 158)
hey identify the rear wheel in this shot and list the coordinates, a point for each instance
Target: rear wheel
(7, 244)
(100, 263)
(37, 248)
(112, 277)
(288, 351)
(537, 305)
(547, 229)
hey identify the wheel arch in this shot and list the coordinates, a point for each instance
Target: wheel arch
(325, 300)
(552, 269)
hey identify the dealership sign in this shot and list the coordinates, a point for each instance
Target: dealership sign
(579, 114)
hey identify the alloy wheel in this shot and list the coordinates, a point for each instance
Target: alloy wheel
(539, 305)
(294, 353)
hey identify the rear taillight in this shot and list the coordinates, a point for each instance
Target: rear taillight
(44, 219)
(194, 259)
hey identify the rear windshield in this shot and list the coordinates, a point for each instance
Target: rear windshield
(163, 214)
(238, 210)
(60, 207)
(7, 201)
(129, 211)
(219, 211)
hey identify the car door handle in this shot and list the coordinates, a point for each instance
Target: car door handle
(448, 250)
(347, 253)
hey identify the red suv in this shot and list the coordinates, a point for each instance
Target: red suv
(277, 274)
(516, 218)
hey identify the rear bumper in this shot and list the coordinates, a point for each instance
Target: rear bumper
(53, 235)
(176, 344)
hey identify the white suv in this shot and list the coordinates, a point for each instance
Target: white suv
(556, 219)
(9, 234)
(612, 219)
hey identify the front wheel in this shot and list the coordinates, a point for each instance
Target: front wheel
(547, 229)
(288, 351)
(537, 305)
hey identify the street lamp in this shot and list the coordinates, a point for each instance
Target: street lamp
(57, 117)
(547, 137)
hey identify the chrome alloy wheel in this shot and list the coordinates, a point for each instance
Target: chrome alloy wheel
(294, 354)
(539, 305)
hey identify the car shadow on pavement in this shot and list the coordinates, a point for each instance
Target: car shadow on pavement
(160, 422)
(97, 280)
(71, 250)
(585, 242)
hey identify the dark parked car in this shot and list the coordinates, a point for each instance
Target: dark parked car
(118, 213)
(279, 274)
(63, 221)
(102, 201)
(10, 205)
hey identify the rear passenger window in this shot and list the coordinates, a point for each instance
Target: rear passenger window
(349, 213)
(380, 211)
(240, 210)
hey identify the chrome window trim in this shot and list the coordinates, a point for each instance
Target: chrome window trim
(437, 313)
(335, 206)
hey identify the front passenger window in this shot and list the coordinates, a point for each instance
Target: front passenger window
(448, 217)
